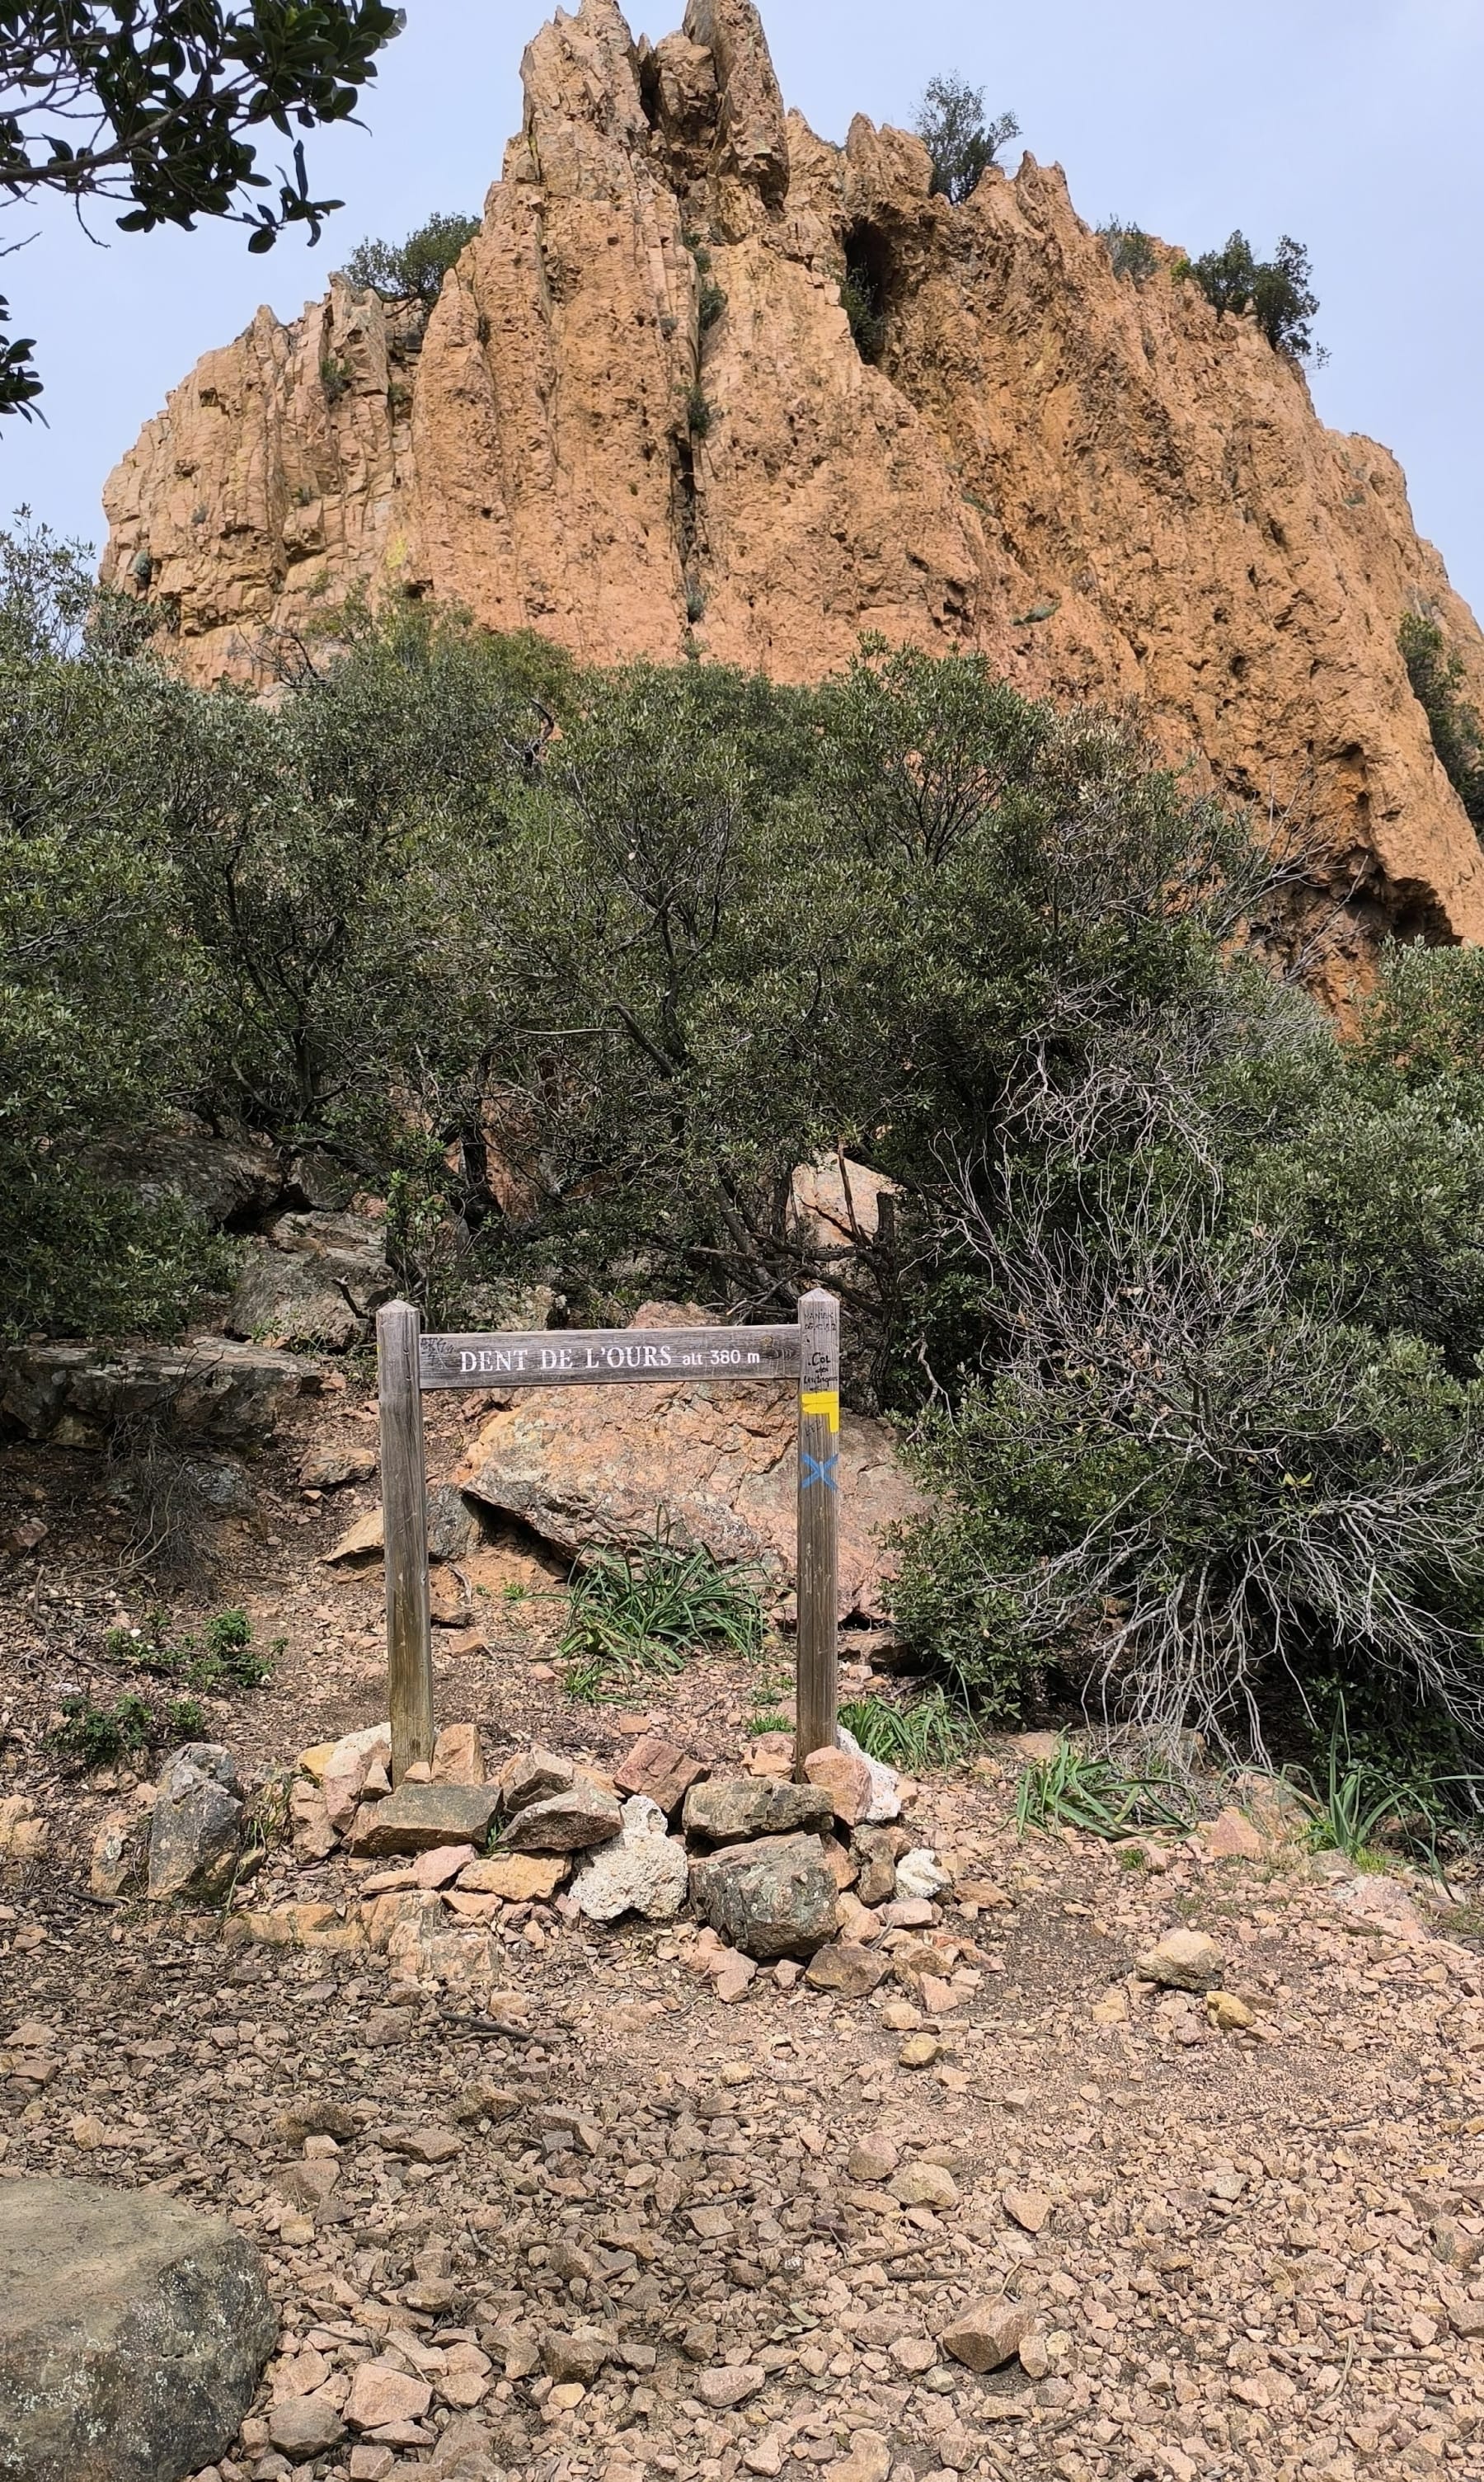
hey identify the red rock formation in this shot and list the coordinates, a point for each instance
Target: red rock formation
(1109, 491)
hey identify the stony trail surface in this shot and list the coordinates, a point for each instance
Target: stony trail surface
(604, 2222)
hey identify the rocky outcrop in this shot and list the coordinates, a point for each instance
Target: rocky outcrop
(716, 1463)
(638, 422)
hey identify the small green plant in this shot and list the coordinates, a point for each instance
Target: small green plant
(1077, 1788)
(695, 600)
(334, 377)
(1130, 250)
(712, 304)
(644, 1611)
(868, 325)
(1364, 1805)
(99, 1736)
(699, 413)
(771, 1720)
(930, 1732)
(223, 1658)
(185, 1720)
(1436, 675)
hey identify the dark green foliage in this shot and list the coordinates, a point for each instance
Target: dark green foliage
(412, 269)
(334, 380)
(1131, 251)
(710, 304)
(223, 1658)
(1277, 291)
(1436, 675)
(100, 1737)
(698, 414)
(1182, 1296)
(867, 324)
(961, 144)
(644, 1611)
(93, 1025)
(161, 108)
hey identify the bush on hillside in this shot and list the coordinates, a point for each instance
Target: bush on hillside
(412, 269)
(1436, 675)
(961, 144)
(1277, 291)
(1183, 1295)
(1131, 251)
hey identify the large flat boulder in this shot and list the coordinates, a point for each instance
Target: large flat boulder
(132, 2332)
(74, 1394)
(737, 1809)
(592, 1464)
(419, 1817)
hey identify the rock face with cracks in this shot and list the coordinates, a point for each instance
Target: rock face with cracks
(1111, 492)
(132, 2332)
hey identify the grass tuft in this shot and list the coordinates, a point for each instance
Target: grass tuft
(643, 1612)
(1077, 1788)
(930, 1732)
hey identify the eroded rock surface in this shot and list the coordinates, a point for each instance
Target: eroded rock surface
(1111, 492)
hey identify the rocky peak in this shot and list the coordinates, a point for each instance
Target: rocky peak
(640, 420)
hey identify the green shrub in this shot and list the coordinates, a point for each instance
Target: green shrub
(867, 321)
(1436, 675)
(412, 269)
(334, 377)
(961, 144)
(1131, 251)
(700, 415)
(711, 303)
(1277, 291)
(223, 1658)
(99, 1736)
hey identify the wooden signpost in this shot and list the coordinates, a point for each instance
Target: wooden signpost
(408, 1363)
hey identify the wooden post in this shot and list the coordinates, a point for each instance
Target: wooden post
(404, 1521)
(816, 1682)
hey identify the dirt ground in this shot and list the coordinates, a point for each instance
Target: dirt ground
(1246, 2253)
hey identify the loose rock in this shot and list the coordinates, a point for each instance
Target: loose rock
(643, 1871)
(132, 2332)
(1184, 1961)
(987, 2333)
(742, 1807)
(773, 1897)
(845, 1968)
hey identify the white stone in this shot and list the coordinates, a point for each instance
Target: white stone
(885, 1802)
(920, 1873)
(645, 1871)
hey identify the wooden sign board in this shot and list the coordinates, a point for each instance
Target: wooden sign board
(410, 1364)
(593, 1356)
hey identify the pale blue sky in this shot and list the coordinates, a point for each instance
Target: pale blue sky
(1351, 124)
